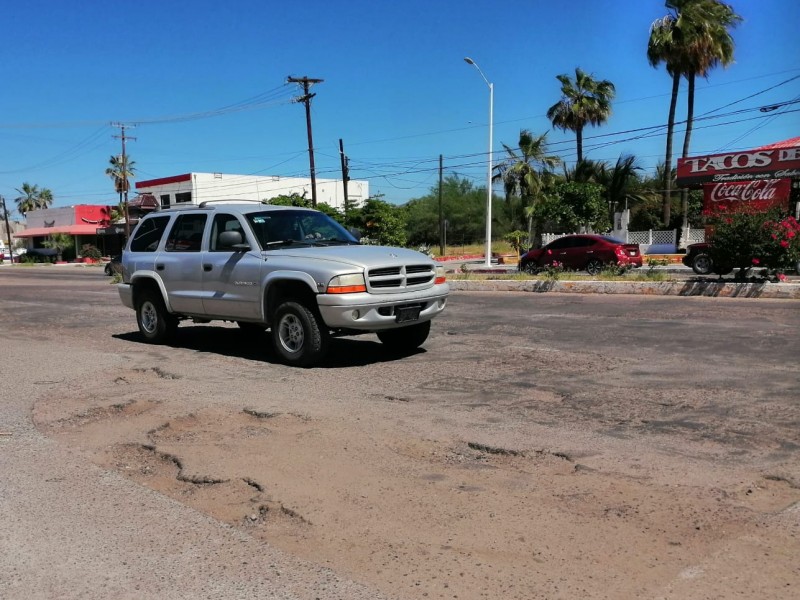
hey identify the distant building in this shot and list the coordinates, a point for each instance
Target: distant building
(80, 221)
(195, 188)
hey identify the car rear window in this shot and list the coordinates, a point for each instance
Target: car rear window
(612, 240)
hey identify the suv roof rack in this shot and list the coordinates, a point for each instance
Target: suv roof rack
(204, 203)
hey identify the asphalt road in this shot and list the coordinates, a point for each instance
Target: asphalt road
(715, 379)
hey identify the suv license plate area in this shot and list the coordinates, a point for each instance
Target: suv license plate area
(405, 314)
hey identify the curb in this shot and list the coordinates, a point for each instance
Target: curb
(714, 289)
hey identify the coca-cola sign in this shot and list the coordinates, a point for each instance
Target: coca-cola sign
(740, 166)
(761, 194)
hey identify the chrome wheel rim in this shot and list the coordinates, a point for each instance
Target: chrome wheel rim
(149, 317)
(290, 333)
(703, 263)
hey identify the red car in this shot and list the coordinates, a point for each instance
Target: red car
(582, 251)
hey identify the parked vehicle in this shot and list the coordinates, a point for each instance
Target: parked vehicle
(698, 258)
(295, 271)
(582, 251)
(114, 265)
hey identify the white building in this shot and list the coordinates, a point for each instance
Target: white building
(199, 187)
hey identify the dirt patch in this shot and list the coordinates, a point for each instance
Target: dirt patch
(439, 516)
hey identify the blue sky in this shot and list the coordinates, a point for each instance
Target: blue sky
(396, 88)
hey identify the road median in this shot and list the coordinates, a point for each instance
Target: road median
(710, 288)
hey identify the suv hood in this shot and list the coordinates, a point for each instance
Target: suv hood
(357, 256)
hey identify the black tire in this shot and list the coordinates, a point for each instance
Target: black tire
(108, 270)
(299, 340)
(594, 266)
(702, 264)
(155, 324)
(797, 267)
(531, 268)
(405, 339)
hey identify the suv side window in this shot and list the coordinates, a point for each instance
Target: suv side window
(223, 222)
(149, 234)
(186, 234)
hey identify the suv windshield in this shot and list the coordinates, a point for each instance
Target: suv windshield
(277, 228)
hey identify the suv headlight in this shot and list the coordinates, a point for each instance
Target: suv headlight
(440, 275)
(352, 283)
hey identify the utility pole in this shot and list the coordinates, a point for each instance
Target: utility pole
(345, 177)
(123, 137)
(306, 99)
(441, 218)
(8, 230)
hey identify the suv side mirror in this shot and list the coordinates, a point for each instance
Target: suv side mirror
(355, 233)
(231, 240)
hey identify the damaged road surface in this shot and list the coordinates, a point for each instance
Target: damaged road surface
(538, 446)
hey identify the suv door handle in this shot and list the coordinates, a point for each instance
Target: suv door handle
(207, 267)
(159, 267)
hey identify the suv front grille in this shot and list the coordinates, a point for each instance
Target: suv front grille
(400, 277)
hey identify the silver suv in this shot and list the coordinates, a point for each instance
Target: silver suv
(295, 271)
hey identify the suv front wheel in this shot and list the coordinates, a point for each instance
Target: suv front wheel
(298, 338)
(155, 323)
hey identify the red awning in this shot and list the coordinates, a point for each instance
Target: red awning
(144, 202)
(84, 229)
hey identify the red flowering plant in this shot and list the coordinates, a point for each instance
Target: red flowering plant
(744, 238)
(782, 248)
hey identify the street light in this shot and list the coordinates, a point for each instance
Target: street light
(469, 61)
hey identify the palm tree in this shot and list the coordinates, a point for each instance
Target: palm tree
(121, 171)
(584, 101)
(691, 40)
(619, 182)
(45, 198)
(527, 170)
(26, 202)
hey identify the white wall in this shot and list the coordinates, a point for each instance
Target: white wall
(221, 186)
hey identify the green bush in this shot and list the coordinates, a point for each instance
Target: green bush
(746, 238)
(90, 251)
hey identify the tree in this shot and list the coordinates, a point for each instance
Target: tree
(121, 171)
(690, 41)
(28, 199)
(382, 223)
(584, 101)
(619, 181)
(526, 172)
(584, 206)
(463, 206)
(59, 242)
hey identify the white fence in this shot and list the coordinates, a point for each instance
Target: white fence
(646, 239)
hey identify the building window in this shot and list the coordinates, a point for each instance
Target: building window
(164, 200)
(183, 197)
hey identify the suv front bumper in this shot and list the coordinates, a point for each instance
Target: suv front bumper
(364, 312)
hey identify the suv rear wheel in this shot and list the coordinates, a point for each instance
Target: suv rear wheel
(298, 338)
(155, 323)
(405, 339)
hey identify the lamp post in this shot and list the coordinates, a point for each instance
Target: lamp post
(469, 61)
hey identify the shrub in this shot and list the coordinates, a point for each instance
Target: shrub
(746, 238)
(90, 251)
(553, 271)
